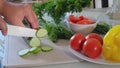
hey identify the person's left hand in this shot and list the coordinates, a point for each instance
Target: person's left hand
(3, 26)
(15, 13)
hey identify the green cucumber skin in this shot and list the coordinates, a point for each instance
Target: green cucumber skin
(24, 54)
(37, 32)
(36, 50)
(102, 28)
(46, 48)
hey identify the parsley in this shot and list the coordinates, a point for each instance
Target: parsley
(57, 9)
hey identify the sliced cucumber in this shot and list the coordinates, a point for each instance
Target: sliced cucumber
(46, 48)
(24, 52)
(35, 50)
(41, 33)
(34, 42)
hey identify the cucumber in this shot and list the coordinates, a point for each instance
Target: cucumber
(46, 48)
(33, 41)
(41, 33)
(35, 50)
(102, 28)
(24, 52)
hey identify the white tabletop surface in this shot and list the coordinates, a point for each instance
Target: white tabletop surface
(83, 64)
(75, 63)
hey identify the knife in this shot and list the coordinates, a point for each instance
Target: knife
(21, 31)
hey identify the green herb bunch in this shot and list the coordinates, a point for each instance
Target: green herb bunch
(57, 9)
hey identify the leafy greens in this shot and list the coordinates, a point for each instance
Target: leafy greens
(57, 9)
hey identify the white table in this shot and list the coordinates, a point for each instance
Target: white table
(64, 60)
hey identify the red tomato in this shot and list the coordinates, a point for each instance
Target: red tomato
(84, 21)
(92, 48)
(83, 18)
(96, 36)
(76, 41)
(73, 19)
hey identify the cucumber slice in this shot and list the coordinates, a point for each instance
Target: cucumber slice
(34, 42)
(35, 50)
(46, 48)
(24, 52)
(41, 33)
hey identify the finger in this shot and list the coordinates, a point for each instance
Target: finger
(32, 19)
(16, 21)
(18, 24)
(3, 26)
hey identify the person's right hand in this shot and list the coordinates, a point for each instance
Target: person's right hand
(16, 13)
(3, 26)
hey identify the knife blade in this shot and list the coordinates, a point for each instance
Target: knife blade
(21, 31)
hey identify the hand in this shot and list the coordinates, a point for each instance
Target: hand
(3, 26)
(15, 13)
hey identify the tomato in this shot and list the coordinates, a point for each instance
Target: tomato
(96, 36)
(84, 21)
(92, 48)
(80, 20)
(73, 19)
(83, 18)
(76, 41)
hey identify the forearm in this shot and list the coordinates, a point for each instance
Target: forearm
(2, 2)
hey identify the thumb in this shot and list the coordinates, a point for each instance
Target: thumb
(3, 26)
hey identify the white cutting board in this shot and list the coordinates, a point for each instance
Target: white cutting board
(14, 44)
(60, 54)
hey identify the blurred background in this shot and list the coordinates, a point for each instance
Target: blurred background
(94, 3)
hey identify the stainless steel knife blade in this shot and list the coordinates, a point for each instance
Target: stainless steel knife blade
(21, 31)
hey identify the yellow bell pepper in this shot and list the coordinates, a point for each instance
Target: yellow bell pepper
(111, 47)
